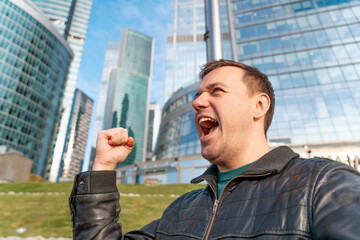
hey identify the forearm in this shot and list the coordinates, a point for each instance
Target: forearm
(95, 208)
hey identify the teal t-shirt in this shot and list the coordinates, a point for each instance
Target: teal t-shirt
(225, 177)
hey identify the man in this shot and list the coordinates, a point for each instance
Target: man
(252, 192)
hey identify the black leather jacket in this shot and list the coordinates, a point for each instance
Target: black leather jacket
(280, 196)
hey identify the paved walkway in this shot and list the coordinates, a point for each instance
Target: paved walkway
(62, 193)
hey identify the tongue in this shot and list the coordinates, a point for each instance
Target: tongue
(206, 131)
(208, 126)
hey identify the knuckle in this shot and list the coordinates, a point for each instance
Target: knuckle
(101, 132)
(124, 131)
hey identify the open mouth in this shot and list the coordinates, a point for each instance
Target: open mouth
(207, 125)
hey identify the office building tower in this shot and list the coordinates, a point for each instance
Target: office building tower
(110, 63)
(154, 121)
(128, 94)
(310, 51)
(76, 136)
(186, 49)
(71, 18)
(34, 61)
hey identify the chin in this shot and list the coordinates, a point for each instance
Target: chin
(208, 155)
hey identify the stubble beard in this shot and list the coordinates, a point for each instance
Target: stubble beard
(209, 153)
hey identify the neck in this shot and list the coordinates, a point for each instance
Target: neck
(251, 151)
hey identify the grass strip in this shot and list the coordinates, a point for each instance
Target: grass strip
(42, 208)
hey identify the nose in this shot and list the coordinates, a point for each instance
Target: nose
(200, 102)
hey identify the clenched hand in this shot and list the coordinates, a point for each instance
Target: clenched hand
(112, 147)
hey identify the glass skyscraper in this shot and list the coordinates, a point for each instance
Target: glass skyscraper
(34, 61)
(186, 49)
(311, 52)
(110, 63)
(76, 136)
(71, 18)
(128, 91)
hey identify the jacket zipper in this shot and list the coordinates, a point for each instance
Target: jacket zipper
(217, 201)
(215, 207)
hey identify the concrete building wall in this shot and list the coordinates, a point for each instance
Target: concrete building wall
(14, 167)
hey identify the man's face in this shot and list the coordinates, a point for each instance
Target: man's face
(223, 114)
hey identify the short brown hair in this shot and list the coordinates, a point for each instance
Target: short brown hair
(254, 80)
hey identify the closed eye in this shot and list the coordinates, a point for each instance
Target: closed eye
(216, 90)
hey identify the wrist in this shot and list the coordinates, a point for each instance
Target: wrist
(103, 167)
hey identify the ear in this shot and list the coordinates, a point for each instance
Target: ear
(262, 105)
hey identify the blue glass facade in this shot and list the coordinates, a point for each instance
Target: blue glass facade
(71, 18)
(226, 27)
(128, 95)
(186, 49)
(178, 137)
(34, 61)
(311, 52)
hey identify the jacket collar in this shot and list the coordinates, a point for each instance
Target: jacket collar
(271, 163)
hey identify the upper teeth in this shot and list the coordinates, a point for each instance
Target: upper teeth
(206, 119)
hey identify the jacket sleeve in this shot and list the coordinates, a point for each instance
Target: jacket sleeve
(336, 203)
(94, 206)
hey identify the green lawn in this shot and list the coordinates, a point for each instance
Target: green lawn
(43, 207)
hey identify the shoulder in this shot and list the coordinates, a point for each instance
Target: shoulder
(323, 171)
(318, 165)
(316, 172)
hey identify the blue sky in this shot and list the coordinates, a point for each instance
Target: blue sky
(108, 18)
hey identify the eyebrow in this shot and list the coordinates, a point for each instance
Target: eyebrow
(210, 86)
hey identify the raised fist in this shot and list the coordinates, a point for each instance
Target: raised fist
(112, 147)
